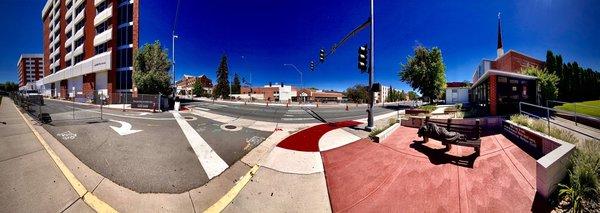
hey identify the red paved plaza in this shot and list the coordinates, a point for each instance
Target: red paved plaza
(400, 175)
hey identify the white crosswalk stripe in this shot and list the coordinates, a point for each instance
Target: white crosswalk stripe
(211, 162)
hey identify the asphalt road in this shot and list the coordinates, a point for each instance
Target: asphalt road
(295, 114)
(157, 159)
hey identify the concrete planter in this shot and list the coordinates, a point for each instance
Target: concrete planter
(385, 133)
(550, 168)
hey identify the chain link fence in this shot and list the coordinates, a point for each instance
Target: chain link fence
(85, 107)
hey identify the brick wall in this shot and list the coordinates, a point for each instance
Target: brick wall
(514, 62)
(89, 83)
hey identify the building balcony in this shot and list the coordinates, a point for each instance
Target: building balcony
(98, 63)
(103, 16)
(78, 17)
(68, 55)
(78, 34)
(97, 2)
(103, 37)
(77, 3)
(69, 41)
(78, 50)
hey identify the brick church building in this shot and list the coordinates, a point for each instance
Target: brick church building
(499, 85)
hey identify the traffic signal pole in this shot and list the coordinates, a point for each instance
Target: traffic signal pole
(370, 120)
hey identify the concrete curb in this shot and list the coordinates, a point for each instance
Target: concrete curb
(88, 197)
(385, 133)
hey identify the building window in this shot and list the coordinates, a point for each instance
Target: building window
(101, 7)
(125, 35)
(103, 26)
(69, 34)
(79, 41)
(69, 19)
(68, 63)
(100, 48)
(80, 8)
(125, 13)
(79, 25)
(69, 48)
(79, 58)
(124, 80)
(124, 58)
(69, 5)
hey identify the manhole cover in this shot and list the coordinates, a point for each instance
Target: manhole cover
(230, 127)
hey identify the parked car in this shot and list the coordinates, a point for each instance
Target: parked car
(33, 96)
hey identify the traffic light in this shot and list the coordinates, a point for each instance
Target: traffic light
(311, 66)
(362, 58)
(322, 55)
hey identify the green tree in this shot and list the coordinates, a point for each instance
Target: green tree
(221, 90)
(358, 93)
(425, 71)
(547, 82)
(236, 88)
(197, 89)
(412, 95)
(9, 86)
(151, 64)
(402, 96)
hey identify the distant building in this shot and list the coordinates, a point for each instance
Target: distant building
(499, 85)
(279, 93)
(457, 92)
(311, 95)
(30, 68)
(88, 46)
(271, 92)
(382, 96)
(186, 84)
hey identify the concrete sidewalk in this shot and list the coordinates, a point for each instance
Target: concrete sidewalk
(30, 180)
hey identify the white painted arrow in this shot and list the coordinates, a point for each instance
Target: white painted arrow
(125, 128)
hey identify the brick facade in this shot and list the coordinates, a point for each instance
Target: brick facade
(515, 62)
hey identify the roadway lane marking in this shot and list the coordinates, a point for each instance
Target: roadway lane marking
(125, 128)
(211, 162)
(87, 196)
(200, 108)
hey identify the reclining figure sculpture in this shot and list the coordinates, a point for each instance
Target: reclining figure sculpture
(430, 130)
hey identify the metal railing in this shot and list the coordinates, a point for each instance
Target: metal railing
(548, 102)
(546, 113)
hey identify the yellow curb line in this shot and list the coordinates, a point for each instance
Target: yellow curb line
(233, 192)
(93, 201)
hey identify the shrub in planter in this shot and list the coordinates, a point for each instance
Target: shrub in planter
(583, 186)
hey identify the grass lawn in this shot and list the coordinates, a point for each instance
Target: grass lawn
(593, 111)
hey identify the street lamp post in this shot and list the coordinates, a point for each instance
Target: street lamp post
(301, 83)
(370, 119)
(174, 82)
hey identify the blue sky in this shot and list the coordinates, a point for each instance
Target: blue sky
(260, 36)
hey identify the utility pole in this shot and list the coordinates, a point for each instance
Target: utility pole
(370, 119)
(174, 82)
(301, 83)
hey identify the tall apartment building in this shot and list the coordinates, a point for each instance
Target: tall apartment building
(88, 46)
(30, 68)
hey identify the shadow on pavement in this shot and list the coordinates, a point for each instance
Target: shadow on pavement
(439, 156)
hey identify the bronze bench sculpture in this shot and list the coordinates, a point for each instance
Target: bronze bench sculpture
(457, 134)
